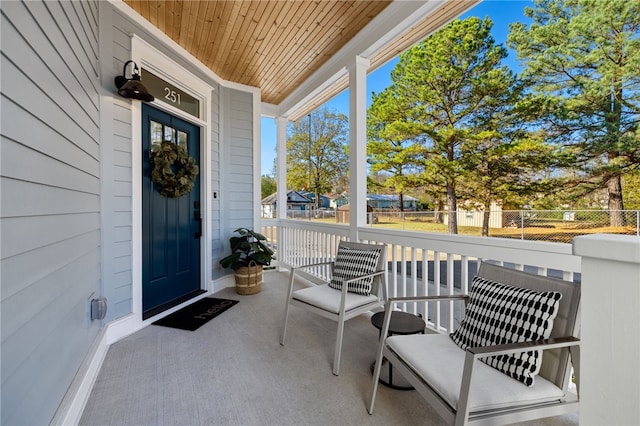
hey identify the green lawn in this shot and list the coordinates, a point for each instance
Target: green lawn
(554, 232)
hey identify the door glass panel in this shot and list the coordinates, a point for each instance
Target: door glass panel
(163, 133)
(169, 134)
(156, 133)
(182, 139)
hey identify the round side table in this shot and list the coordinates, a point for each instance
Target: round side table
(401, 323)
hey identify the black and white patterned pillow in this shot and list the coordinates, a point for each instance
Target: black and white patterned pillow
(497, 313)
(351, 263)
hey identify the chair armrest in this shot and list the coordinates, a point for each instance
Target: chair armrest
(311, 265)
(392, 301)
(395, 300)
(373, 274)
(331, 262)
(557, 342)
(294, 269)
(483, 351)
(345, 286)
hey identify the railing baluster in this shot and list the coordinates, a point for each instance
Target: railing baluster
(403, 274)
(414, 279)
(436, 284)
(301, 242)
(425, 282)
(450, 287)
(464, 274)
(394, 272)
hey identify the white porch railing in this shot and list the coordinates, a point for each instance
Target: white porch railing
(419, 260)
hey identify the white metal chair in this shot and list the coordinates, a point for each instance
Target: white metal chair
(465, 390)
(344, 304)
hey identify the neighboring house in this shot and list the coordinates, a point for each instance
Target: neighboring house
(325, 202)
(470, 216)
(343, 214)
(296, 201)
(338, 200)
(474, 216)
(391, 201)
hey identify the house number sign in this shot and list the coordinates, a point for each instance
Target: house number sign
(170, 94)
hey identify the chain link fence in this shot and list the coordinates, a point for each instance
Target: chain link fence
(537, 225)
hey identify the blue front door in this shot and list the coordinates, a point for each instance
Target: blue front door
(171, 227)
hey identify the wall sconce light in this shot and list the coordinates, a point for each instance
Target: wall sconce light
(132, 87)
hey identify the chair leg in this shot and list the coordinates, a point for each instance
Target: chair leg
(338, 352)
(374, 387)
(376, 375)
(286, 308)
(284, 324)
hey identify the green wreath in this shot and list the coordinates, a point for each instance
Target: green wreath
(174, 171)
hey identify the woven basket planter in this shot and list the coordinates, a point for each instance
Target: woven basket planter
(249, 279)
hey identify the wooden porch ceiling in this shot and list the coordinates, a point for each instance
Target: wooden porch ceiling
(277, 45)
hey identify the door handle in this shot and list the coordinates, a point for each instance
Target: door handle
(198, 234)
(197, 218)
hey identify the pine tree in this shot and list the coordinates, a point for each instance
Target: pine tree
(583, 59)
(390, 150)
(445, 91)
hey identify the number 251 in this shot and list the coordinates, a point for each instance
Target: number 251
(171, 95)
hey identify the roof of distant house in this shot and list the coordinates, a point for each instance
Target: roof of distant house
(295, 197)
(389, 197)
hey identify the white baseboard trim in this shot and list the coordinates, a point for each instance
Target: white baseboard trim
(70, 410)
(222, 283)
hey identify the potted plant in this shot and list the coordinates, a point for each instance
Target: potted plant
(249, 254)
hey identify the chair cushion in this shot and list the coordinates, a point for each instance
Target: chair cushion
(327, 298)
(439, 362)
(497, 313)
(351, 263)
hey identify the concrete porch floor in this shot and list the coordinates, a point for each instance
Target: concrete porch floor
(233, 371)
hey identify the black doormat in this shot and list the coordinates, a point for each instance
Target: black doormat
(197, 314)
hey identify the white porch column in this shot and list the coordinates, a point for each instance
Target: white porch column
(281, 177)
(281, 166)
(357, 145)
(610, 334)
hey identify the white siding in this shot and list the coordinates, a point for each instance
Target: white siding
(240, 139)
(50, 201)
(237, 177)
(217, 244)
(119, 283)
(117, 189)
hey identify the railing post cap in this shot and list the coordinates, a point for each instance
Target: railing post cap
(619, 248)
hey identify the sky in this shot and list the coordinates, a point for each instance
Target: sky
(501, 12)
